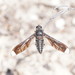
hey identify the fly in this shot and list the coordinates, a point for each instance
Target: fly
(39, 36)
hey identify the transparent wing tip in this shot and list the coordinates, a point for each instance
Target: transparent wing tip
(67, 51)
(13, 53)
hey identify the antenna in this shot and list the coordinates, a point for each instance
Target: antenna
(63, 9)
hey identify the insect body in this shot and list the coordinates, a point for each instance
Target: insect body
(39, 35)
(39, 38)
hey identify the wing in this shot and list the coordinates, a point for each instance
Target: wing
(55, 43)
(23, 45)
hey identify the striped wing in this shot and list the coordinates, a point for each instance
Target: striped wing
(56, 44)
(23, 45)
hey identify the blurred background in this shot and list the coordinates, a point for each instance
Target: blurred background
(18, 20)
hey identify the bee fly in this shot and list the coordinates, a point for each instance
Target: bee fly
(39, 35)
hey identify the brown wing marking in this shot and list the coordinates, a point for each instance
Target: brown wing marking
(23, 45)
(55, 43)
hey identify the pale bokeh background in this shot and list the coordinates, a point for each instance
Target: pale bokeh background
(18, 19)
